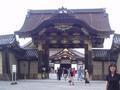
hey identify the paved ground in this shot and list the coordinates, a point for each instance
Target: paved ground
(51, 85)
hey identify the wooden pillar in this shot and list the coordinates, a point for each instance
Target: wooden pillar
(103, 74)
(6, 65)
(18, 69)
(40, 57)
(46, 58)
(88, 57)
(29, 69)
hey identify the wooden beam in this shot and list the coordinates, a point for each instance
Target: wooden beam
(18, 69)
(103, 74)
(29, 69)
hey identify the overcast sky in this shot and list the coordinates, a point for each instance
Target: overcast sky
(13, 12)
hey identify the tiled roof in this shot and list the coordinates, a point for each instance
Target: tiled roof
(104, 55)
(67, 53)
(98, 55)
(27, 54)
(95, 18)
(7, 39)
(115, 48)
(77, 53)
(31, 53)
(100, 52)
(116, 39)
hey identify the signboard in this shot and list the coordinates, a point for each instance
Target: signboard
(13, 68)
(13, 75)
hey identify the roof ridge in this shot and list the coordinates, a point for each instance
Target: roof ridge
(30, 48)
(116, 34)
(8, 35)
(87, 10)
(7, 39)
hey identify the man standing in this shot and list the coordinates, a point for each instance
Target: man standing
(65, 73)
(59, 73)
(79, 71)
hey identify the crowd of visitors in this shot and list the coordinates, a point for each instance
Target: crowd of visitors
(69, 74)
(112, 79)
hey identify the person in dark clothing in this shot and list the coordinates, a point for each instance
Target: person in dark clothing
(65, 73)
(113, 78)
(59, 73)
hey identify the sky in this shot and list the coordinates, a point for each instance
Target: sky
(13, 13)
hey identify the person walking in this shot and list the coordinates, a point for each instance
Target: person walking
(71, 77)
(79, 72)
(73, 71)
(113, 78)
(87, 77)
(65, 73)
(59, 73)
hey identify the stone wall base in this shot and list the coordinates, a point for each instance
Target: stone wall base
(5, 77)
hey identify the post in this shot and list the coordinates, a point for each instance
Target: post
(18, 69)
(29, 69)
(40, 60)
(88, 57)
(46, 59)
(103, 75)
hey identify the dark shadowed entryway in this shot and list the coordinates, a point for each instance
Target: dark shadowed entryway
(65, 66)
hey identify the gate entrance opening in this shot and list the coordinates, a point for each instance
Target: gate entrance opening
(67, 66)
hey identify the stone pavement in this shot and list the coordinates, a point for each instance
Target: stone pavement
(51, 85)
